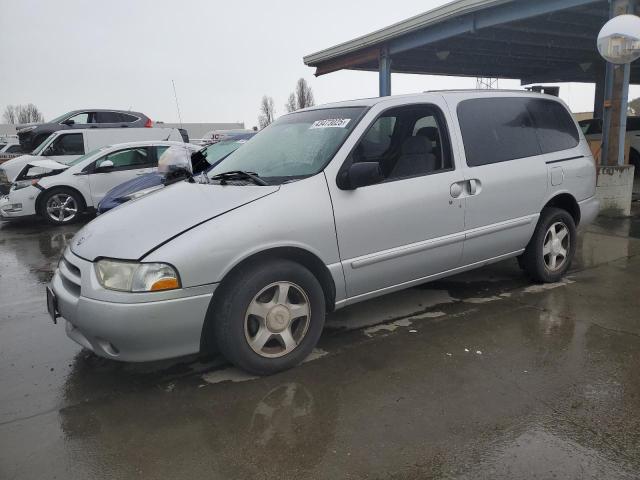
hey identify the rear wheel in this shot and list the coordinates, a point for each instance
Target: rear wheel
(552, 247)
(61, 206)
(268, 317)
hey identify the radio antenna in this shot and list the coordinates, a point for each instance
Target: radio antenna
(177, 104)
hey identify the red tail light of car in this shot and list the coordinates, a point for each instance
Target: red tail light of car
(149, 123)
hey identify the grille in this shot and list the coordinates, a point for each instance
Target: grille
(71, 276)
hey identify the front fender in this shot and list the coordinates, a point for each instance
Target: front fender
(299, 215)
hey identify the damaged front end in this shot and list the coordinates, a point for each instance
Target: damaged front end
(32, 172)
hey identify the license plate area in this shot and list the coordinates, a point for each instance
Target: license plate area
(52, 305)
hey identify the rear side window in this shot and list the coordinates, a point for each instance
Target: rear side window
(107, 117)
(496, 130)
(501, 129)
(14, 149)
(554, 125)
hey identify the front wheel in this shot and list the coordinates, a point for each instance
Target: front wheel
(552, 246)
(268, 317)
(61, 206)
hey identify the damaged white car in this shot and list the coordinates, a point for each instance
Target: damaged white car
(61, 192)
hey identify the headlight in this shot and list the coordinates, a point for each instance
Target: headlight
(27, 129)
(136, 277)
(142, 193)
(23, 184)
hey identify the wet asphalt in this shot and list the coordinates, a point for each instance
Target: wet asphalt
(482, 375)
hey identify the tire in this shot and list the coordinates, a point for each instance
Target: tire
(253, 322)
(537, 259)
(54, 200)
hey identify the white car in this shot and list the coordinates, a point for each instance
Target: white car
(61, 192)
(66, 145)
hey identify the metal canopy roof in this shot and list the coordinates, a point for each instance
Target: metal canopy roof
(531, 40)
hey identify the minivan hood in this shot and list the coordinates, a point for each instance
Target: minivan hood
(131, 231)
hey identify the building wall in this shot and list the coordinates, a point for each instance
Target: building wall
(197, 130)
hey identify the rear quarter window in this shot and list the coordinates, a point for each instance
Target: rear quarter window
(501, 129)
(554, 125)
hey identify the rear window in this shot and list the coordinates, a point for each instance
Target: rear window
(501, 129)
(125, 117)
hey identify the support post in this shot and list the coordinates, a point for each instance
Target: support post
(606, 115)
(617, 90)
(384, 67)
(624, 101)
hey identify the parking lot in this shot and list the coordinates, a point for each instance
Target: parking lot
(483, 375)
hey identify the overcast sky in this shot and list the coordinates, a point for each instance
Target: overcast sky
(223, 55)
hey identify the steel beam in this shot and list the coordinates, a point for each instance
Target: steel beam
(509, 12)
(384, 72)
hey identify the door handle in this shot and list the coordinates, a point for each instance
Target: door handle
(474, 186)
(465, 188)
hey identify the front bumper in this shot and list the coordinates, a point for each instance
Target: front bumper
(589, 210)
(143, 330)
(19, 203)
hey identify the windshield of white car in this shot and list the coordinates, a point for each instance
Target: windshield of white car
(40, 147)
(297, 145)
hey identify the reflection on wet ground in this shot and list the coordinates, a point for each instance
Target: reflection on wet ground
(482, 375)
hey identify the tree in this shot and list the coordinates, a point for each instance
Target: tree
(29, 113)
(17, 114)
(291, 103)
(302, 97)
(9, 115)
(304, 94)
(267, 112)
(634, 106)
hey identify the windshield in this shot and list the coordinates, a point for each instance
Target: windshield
(297, 145)
(44, 143)
(60, 118)
(214, 153)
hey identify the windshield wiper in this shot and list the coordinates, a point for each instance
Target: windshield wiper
(239, 174)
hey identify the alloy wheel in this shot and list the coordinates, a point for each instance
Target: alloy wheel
(556, 246)
(277, 319)
(62, 207)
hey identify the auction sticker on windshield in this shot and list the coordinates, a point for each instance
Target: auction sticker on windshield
(331, 123)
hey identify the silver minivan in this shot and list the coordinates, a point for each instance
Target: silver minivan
(327, 207)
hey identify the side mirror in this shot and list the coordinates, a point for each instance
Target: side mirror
(360, 174)
(69, 122)
(104, 166)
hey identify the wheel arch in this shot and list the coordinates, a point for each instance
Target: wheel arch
(567, 202)
(294, 253)
(43, 194)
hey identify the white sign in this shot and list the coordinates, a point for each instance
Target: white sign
(619, 39)
(331, 123)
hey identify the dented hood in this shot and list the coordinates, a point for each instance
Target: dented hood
(48, 163)
(131, 231)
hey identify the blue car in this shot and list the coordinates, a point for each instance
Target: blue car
(201, 161)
